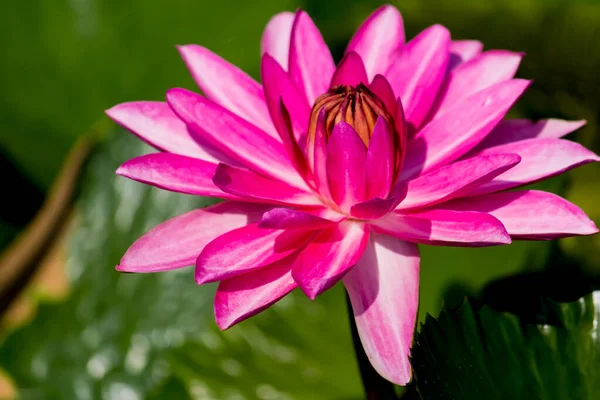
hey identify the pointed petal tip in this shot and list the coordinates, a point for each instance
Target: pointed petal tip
(121, 111)
(386, 12)
(114, 111)
(396, 377)
(199, 277)
(439, 32)
(503, 237)
(592, 228)
(128, 269)
(224, 323)
(579, 123)
(171, 93)
(122, 170)
(185, 51)
(350, 71)
(313, 290)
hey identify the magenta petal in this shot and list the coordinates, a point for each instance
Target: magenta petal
(276, 37)
(311, 64)
(246, 183)
(459, 129)
(246, 249)
(382, 89)
(317, 159)
(328, 257)
(512, 130)
(418, 72)
(286, 218)
(234, 136)
(462, 51)
(380, 161)
(175, 173)
(351, 71)
(346, 156)
(246, 295)
(282, 120)
(374, 208)
(278, 86)
(384, 292)
(455, 179)
(155, 123)
(541, 159)
(177, 242)
(228, 86)
(378, 38)
(485, 70)
(531, 214)
(445, 228)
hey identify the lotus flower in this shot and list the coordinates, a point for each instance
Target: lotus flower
(336, 173)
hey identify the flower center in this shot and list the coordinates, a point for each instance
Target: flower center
(357, 106)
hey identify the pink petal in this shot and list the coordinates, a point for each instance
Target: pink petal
(156, 124)
(286, 218)
(456, 179)
(278, 86)
(462, 51)
(175, 173)
(317, 159)
(246, 249)
(246, 183)
(460, 128)
(531, 214)
(246, 295)
(350, 71)
(374, 208)
(311, 65)
(485, 70)
(512, 130)
(541, 159)
(418, 72)
(276, 37)
(444, 227)
(378, 38)
(402, 135)
(382, 89)
(328, 257)
(378, 207)
(234, 136)
(346, 157)
(228, 86)
(384, 292)
(177, 242)
(282, 120)
(380, 161)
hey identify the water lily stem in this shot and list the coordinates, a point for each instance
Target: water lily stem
(376, 387)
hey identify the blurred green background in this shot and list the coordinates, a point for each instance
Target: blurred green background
(117, 336)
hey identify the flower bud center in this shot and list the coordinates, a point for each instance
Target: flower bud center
(357, 106)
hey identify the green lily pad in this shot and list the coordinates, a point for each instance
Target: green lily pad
(471, 353)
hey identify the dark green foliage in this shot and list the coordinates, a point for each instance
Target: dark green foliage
(470, 353)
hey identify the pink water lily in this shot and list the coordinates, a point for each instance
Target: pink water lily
(336, 173)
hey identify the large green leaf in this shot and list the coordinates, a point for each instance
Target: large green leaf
(120, 335)
(484, 354)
